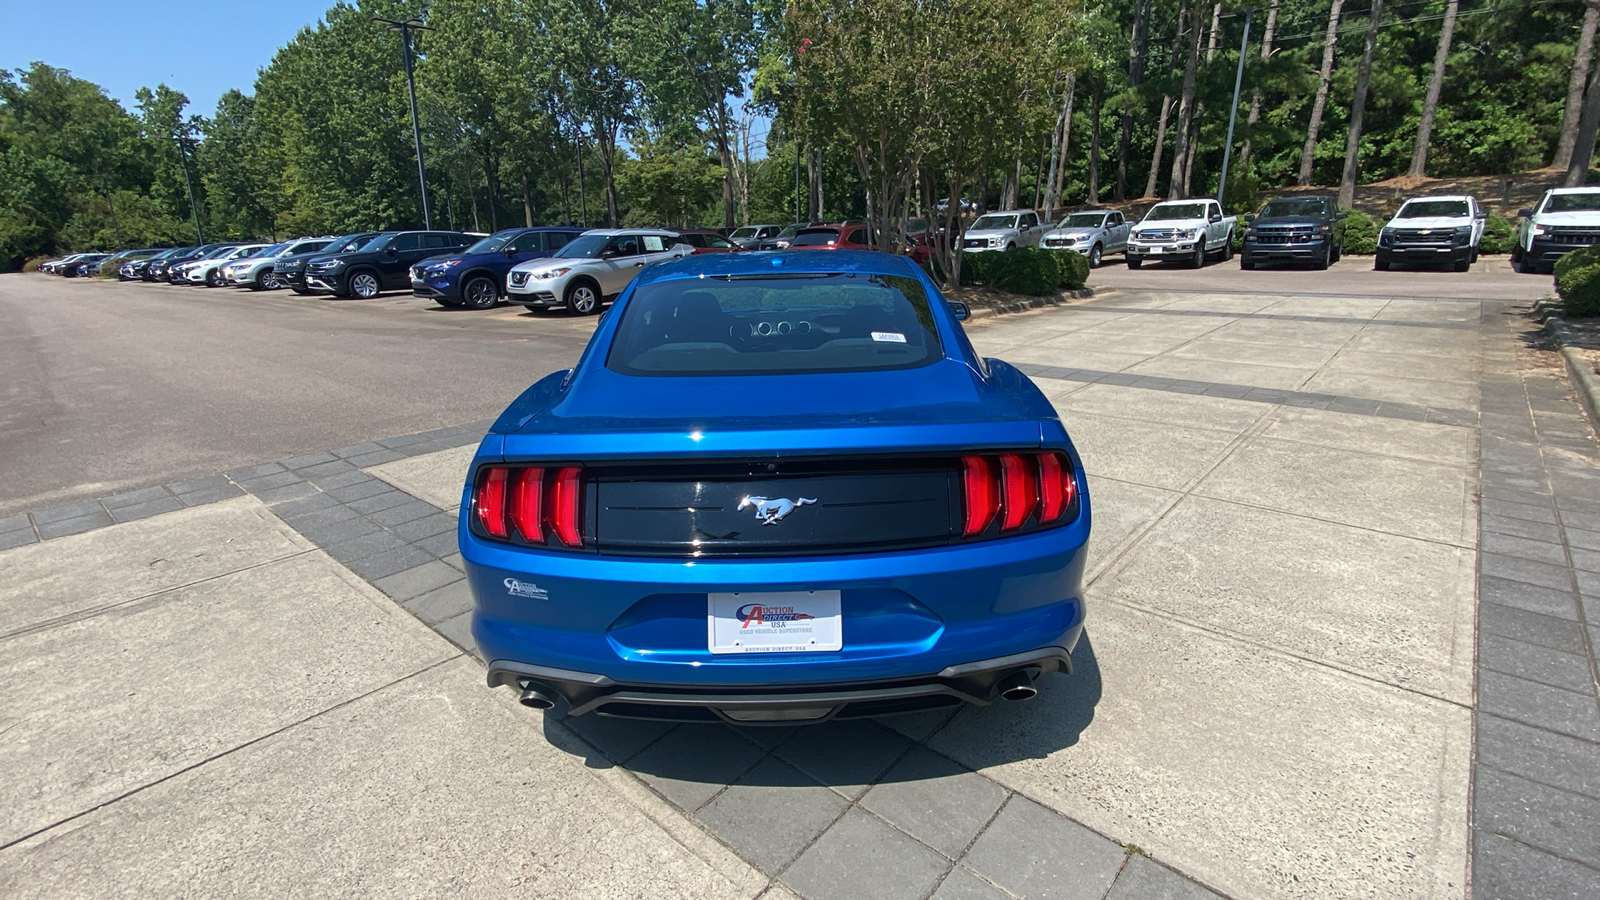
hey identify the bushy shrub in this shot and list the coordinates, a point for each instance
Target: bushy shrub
(1026, 270)
(975, 267)
(34, 262)
(1578, 282)
(1074, 268)
(1360, 233)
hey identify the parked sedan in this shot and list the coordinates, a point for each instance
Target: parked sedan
(382, 264)
(1093, 233)
(475, 278)
(706, 241)
(134, 270)
(177, 270)
(79, 268)
(777, 489)
(750, 237)
(591, 269)
(256, 271)
(290, 269)
(208, 271)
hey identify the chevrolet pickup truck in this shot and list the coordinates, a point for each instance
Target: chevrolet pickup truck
(1566, 219)
(1187, 231)
(1433, 231)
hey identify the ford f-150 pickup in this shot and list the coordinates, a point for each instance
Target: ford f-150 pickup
(1186, 231)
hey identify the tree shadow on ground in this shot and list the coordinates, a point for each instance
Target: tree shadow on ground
(841, 754)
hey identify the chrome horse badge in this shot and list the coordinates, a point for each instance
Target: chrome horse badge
(770, 511)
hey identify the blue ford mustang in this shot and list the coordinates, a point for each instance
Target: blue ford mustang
(777, 488)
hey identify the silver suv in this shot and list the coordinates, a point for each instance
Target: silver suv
(596, 266)
(255, 272)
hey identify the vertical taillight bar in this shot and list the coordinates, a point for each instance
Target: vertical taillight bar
(982, 492)
(1057, 487)
(1019, 490)
(566, 507)
(491, 505)
(527, 504)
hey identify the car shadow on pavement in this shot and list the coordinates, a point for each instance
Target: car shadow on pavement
(684, 761)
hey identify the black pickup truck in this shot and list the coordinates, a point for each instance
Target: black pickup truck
(1294, 229)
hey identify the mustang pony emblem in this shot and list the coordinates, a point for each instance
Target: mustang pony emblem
(770, 511)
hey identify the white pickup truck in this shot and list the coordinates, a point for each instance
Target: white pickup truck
(1565, 220)
(1187, 231)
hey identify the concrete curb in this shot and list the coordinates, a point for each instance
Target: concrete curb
(1024, 304)
(1581, 370)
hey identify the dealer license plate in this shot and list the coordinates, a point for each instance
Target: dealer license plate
(786, 622)
(1153, 250)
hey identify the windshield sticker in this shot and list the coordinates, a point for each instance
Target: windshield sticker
(890, 337)
(653, 243)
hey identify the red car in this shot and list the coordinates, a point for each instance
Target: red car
(707, 241)
(849, 236)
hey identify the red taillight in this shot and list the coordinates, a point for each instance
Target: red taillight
(539, 502)
(491, 504)
(982, 491)
(1011, 487)
(527, 504)
(564, 512)
(1019, 490)
(1057, 487)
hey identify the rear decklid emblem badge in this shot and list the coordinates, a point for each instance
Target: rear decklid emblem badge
(770, 511)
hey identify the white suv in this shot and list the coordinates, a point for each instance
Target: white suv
(1003, 230)
(1430, 230)
(596, 266)
(1566, 219)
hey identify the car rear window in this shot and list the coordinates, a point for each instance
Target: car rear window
(777, 324)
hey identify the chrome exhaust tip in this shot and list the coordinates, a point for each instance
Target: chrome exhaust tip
(536, 698)
(1018, 686)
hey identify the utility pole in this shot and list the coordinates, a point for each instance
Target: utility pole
(1233, 111)
(405, 28)
(183, 140)
(797, 181)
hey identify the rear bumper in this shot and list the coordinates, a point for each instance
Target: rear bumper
(921, 628)
(976, 683)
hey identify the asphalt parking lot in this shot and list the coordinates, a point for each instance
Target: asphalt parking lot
(1340, 642)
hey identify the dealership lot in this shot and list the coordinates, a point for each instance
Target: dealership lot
(1286, 658)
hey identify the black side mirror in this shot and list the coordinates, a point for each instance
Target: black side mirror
(608, 253)
(1525, 213)
(1249, 217)
(390, 250)
(1340, 216)
(961, 310)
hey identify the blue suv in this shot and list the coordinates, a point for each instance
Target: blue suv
(475, 278)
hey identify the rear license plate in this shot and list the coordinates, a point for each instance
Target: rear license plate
(787, 622)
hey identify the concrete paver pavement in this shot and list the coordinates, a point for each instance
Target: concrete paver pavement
(1276, 696)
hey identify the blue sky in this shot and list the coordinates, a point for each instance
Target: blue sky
(199, 48)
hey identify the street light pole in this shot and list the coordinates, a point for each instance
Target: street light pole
(405, 28)
(183, 156)
(1233, 111)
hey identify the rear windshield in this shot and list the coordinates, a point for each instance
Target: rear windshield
(776, 324)
(825, 238)
(1427, 209)
(1573, 203)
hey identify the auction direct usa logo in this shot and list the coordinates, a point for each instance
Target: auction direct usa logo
(761, 614)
